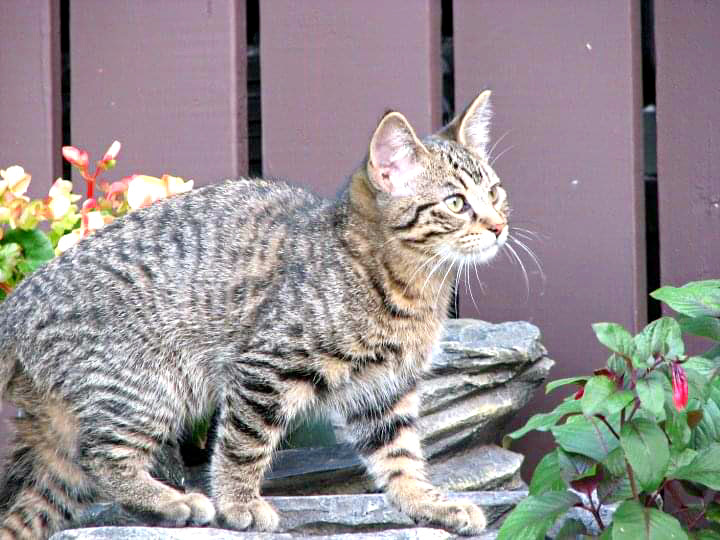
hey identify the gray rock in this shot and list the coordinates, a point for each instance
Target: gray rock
(147, 533)
(478, 417)
(339, 470)
(300, 516)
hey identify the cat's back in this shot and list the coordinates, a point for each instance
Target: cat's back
(154, 269)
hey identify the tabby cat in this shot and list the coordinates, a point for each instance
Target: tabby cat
(257, 300)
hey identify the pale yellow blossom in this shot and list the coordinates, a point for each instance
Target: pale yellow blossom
(144, 190)
(15, 180)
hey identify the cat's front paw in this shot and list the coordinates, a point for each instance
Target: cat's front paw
(461, 517)
(256, 513)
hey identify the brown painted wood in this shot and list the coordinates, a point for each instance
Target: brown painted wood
(30, 90)
(567, 91)
(331, 69)
(688, 137)
(165, 78)
(29, 104)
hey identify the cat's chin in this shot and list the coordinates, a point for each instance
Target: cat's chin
(487, 254)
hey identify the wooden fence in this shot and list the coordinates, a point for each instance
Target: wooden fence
(169, 79)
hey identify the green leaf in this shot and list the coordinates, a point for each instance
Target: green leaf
(570, 530)
(634, 522)
(652, 394)
(677, 428)
(704, 469)
(705, 534)
(36, 247)
(552, 385)
(679, 459)
(9, 256)
(708, 429)
(574, 466)
(713, 512)
(585, 435)
(547, 475)
(614, 462)
(704, 366)
(532, 518)
(544, 421)
(703, 326)
(694, 299)
(647, 451)
(614, 489)
(597, 390)
(662, 337)
(615, 338)
(618, 401)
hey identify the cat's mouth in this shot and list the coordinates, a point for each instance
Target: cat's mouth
(481, 247)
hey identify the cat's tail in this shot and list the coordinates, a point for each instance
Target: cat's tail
(43, 490)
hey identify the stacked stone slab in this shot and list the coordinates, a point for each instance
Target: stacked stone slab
(482, 374)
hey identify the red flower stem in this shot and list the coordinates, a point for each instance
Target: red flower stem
(5, 287)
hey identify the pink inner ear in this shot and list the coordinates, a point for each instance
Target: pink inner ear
(396, 168)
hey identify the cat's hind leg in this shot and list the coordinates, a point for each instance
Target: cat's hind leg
(121, 442)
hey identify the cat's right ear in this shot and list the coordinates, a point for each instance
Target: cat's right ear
(395, 156)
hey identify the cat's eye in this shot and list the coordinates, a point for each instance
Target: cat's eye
(456, 203)
(494, 193)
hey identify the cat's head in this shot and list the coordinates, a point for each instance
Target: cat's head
(440, 195)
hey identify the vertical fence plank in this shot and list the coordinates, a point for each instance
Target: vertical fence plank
(165, 78)
(30, 90)
(29, 104)
(688, 138)
(567, 91)
(330, 69)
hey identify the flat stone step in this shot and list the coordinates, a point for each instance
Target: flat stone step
(338, 517)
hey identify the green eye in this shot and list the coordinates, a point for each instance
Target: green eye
(494, 193)
(456, 203)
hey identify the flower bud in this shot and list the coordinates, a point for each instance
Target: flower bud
(679, 386)
(112, 152)
(78, 158)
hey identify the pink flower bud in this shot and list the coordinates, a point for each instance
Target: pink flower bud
(679, 386)
(75, 156)
(112, 152)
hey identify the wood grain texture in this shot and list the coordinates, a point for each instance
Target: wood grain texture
(688, 138)
(331, 69)
(165, 78)
(567, 94)
(30, 90)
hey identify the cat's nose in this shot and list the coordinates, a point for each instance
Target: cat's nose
(496, 228)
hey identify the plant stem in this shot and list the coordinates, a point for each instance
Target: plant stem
(601, 417)
(635, 408)
(631, 476)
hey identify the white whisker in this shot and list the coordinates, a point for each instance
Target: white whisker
(437, 298)
(492, 163)
(417, 270)
(498, 141)
(532, 256)
(467, 280)
(438, 265)
(480, 283)
(457, 293)
(525, 274)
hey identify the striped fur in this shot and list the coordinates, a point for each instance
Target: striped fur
(256, 300)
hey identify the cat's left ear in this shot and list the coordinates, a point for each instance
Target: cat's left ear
(472, 127)
(395, 156)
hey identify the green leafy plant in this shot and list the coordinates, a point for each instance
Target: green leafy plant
(642, 433)
(33, 231)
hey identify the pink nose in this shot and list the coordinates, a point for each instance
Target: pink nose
(496, 229)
